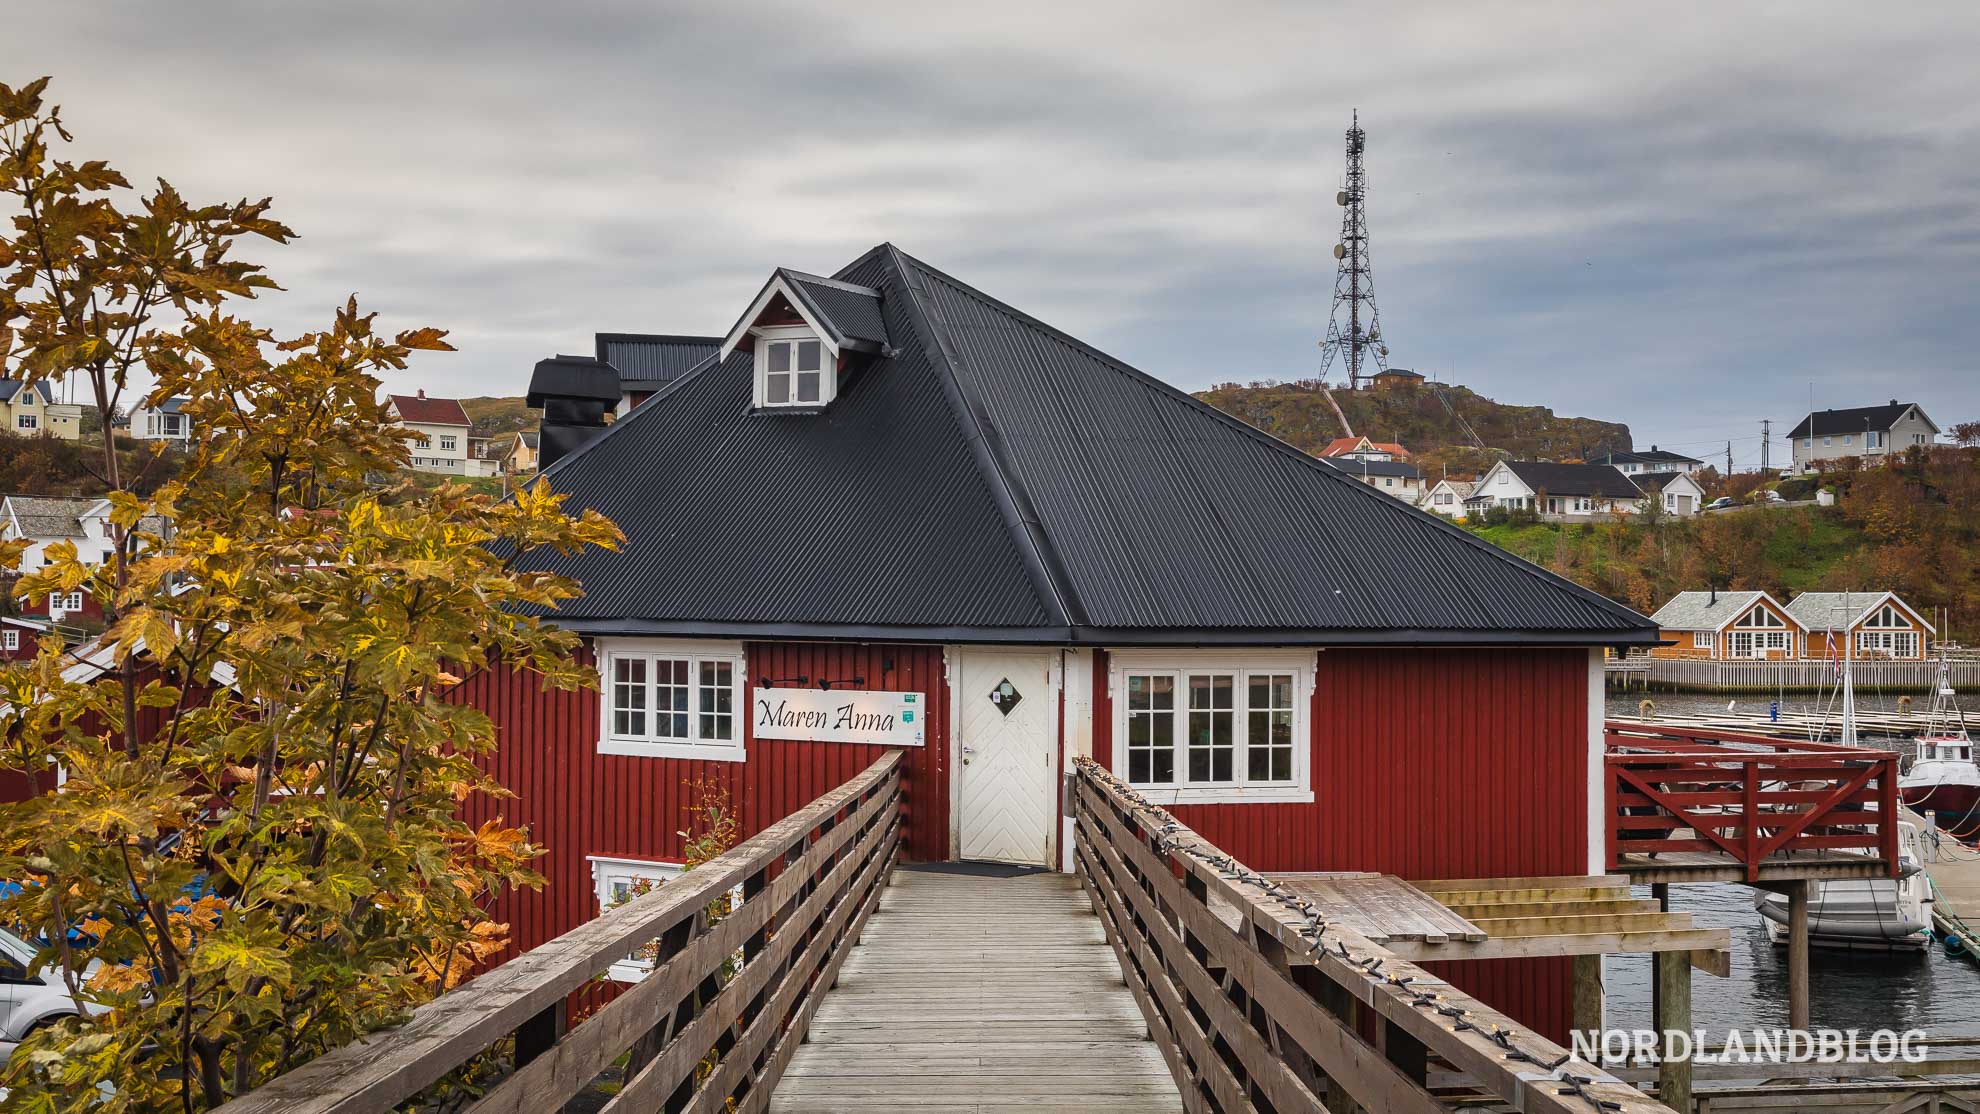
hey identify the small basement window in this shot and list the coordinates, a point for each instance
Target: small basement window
(662, 699)
(1214, 726)
(617, 881)
(793, 368)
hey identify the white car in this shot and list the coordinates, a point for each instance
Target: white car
(27, 1001)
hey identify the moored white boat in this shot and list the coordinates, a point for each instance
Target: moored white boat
(1879, 913)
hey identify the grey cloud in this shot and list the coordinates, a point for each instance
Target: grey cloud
(1678, 215)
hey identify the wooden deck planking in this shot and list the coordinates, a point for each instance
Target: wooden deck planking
(974, 994)
(1381, 907)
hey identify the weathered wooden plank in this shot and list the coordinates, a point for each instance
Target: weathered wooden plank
(1374, 1082)
(394, 1064)
(586, 1051)
(1394, 988)
(976, 993)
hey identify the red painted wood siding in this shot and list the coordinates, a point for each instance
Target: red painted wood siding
(577, 802)
(1430, 764)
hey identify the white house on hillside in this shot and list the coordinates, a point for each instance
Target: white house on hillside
(162, 422)
(1655, 460)
(1446, 497)
(1558, 492)
(444, 445)
(1675, 492)
(1390, 477)
(1871, 432)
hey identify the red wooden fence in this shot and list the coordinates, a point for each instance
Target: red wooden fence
(1746, 796)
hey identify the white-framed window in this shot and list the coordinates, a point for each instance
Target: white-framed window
(10, 639)
(1504, 477)
(27, 421)
(1887, 618)
(1443, 498)
(1203, 726)
(1887, 643)
(424, 444)
(671, 699)
(60, 604)
(1758, 644)
(793, 368)
(1760, 617)
(1701, 639)
(1828, 441)
(447, 444)
(1849, 438)
(614, 881)
(1670, 500)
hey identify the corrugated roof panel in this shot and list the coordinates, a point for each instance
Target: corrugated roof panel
(654, 357)
(994, 474)
(870, 513)
(1163, 512)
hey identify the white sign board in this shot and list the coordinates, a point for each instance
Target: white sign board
(892, 719)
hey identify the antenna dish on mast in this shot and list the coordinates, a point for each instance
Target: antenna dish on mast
(1354, 280)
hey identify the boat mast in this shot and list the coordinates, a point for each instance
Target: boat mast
(1848, 681)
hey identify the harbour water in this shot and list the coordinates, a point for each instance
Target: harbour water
(1860, 990)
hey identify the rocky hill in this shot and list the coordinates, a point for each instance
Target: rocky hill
(1424, 420)
(493, 415)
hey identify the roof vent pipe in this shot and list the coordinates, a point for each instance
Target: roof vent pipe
(1715, 595)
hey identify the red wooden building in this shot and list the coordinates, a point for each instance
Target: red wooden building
(891, 510)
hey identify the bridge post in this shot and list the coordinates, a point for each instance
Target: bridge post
(1797, 955)
(1673, 1014)
(1586, 1012)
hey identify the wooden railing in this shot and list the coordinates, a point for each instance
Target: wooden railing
(735, 993)
(1257, 1005)
(1746, 796)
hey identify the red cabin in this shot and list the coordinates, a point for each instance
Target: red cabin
(892, 511)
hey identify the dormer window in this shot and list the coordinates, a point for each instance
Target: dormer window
(792, 368)
(803, 331)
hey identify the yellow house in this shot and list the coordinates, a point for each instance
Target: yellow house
(33, 412)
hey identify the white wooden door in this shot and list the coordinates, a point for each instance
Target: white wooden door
(1007, 706)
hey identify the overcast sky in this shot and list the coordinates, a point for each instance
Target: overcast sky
(1686, 217)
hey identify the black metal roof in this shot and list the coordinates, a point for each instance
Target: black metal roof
(1601, 480)
(648, 361)
(1856, 419)
(989, 478)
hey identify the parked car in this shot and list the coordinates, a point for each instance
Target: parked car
(1721, 503)
(28, 1001)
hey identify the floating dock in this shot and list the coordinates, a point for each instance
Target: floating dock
(1955, 874)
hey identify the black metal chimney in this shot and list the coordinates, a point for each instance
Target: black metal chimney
(574, 393)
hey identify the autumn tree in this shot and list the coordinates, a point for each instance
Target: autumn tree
(256, 852)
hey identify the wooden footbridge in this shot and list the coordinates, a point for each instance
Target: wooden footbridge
(1161, 976)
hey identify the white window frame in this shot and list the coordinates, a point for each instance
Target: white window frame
(1703, 639)
(794, 335)
(649, 745)
(447, 443)
(60, 604)
(607, 873)
(1180, 663)
(10, 639)
(1895, 643)
(26, 421)
(1755, 644)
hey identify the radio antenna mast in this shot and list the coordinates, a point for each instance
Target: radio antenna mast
(1360, 347)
